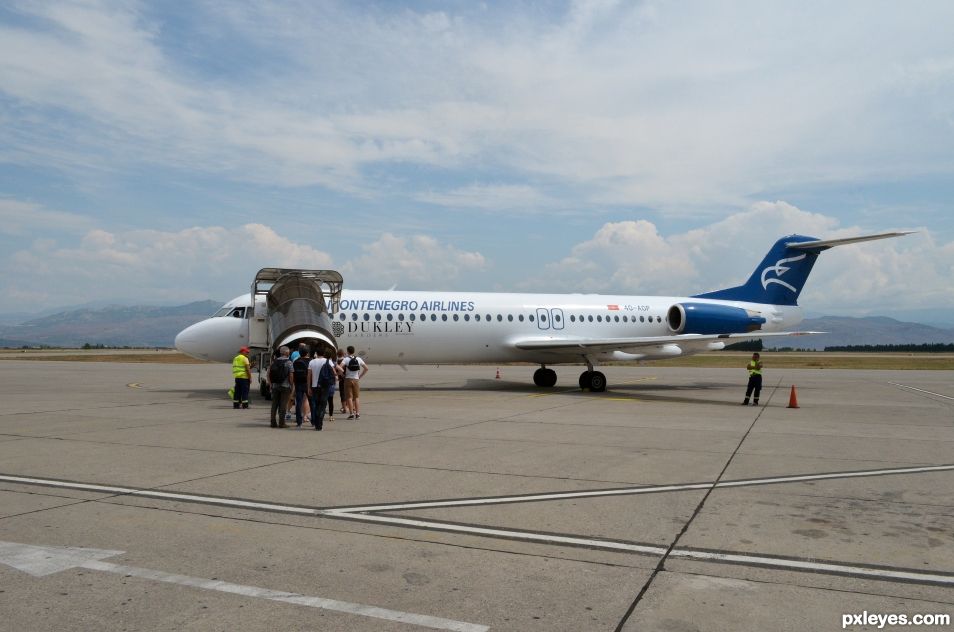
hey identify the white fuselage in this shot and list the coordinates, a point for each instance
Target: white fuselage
(398, 327)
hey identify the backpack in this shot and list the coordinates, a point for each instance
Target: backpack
(353, 364)
(326, 374)
(301, 370)
(278, 371)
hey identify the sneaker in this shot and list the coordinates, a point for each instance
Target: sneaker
(350, 416)
(274, 425)
(331, 419)
(288, 416)
(357, 416)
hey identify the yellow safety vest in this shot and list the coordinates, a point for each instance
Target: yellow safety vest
(240, 366)
(753, 368)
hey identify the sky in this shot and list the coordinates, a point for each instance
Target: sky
(162, 153)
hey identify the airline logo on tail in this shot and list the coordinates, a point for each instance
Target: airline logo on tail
(779, 270)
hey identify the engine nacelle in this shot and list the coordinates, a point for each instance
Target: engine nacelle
(706, 318)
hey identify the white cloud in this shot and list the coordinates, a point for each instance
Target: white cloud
(23, 218)
(492, 198)
(633, 258)
(150, 266)
(646, 104)
(409, 262)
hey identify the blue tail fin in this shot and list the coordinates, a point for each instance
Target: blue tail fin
(779, 278)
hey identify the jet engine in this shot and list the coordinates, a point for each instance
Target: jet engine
(708, 318)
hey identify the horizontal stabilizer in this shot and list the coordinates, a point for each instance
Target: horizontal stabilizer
(823, 244)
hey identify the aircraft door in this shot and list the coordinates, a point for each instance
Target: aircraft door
(556, 318)
(258, 324)
(543, 318)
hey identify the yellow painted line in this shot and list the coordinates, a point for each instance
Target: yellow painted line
(134, 385)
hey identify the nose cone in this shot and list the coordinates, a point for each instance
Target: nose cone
(188, 342)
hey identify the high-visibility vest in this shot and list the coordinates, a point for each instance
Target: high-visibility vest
(240, 366)
(754, 368)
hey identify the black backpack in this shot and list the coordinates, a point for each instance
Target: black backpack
(353, 364)
(301, 370)
(326, 375)
(278, 371)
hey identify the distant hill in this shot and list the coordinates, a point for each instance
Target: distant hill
(872, 330)
(137, 326)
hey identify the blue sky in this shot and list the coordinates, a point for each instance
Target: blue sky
(163, 152)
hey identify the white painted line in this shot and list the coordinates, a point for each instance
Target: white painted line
(819, 567)
(149, 493)
(528, 536)
(921, 390)
(629, 491)
(40, 561)
(627, 547)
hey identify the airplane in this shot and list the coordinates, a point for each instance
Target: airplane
(409, 327)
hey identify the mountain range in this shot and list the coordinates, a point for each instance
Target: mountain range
(157, 326)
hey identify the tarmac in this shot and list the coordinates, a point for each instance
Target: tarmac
(133, 497)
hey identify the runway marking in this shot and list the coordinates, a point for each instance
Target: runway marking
(152, 493)
(369, 514)
(45, 560)
(762, 561)
(921, 390)
(652, 489)
(134, 385)
(490, 500)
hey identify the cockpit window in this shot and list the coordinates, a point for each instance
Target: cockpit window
(234, 312)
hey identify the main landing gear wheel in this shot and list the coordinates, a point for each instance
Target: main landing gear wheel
(593, 380)
(544, 377)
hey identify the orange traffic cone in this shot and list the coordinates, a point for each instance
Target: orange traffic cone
(498, 373)
(793, 399)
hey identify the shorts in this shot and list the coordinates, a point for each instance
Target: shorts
(352, 390)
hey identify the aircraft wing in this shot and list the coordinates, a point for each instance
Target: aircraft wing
(634, 345)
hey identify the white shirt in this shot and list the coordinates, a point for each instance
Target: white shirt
(353, 375)
(315, 368)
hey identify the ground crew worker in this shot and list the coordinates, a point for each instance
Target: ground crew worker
(242, 372)
(755, 380)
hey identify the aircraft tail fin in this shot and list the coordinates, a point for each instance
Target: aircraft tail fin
(779, 279)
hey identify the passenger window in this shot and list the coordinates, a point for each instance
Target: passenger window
(444, 317)
(367, 316)
(520, 318)
(377, 317)
(467, 317)
(557, 318)
(499, 318)
(572, 318)
(433, 316)
(456, 318)
(510, 317)
(530, 317)
(590, 318)
(390, 316)
(477, 317)
(616, 318)
(599, 319)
